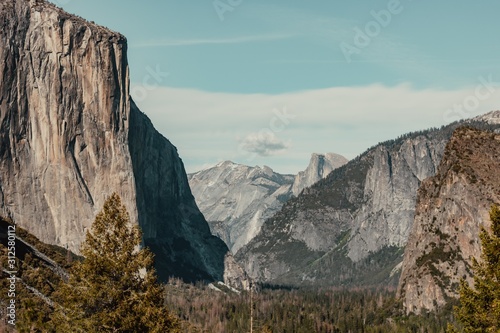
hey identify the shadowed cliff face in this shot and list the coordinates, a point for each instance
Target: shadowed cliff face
(451, 207)
(173, 226)
(70, 136)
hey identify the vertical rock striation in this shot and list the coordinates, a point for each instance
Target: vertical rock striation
(390, 192)
(70, 135)
(64, 118)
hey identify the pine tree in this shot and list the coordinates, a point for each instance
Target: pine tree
(479, 309)
(114, 289)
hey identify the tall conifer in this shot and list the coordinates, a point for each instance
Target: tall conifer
(114, 289)
(479, 309)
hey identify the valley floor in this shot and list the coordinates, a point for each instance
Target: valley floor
(325, 310)
(203, 309)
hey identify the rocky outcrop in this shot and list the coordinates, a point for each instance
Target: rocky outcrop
(70, 135)
(236, 199)
(451, 208)
(351, 227)
(492, 118)
(390, 193)
(319, 167)
(64, 115)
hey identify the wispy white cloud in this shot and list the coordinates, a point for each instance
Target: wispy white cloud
(206, 41)
(210, 127)
(263, 144)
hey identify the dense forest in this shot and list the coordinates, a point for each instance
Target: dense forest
(321, 310)
(43, 278)
(203, 308)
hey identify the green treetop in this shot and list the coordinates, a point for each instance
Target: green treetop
(479, 309)
(114, 289)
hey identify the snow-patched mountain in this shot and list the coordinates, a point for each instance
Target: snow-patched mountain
(236, 199)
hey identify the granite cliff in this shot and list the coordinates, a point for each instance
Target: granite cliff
(320, 166)
(451, 208)
(236, 199)
(351, 227)
(70, 135)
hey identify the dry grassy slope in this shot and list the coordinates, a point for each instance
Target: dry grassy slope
(451, 208)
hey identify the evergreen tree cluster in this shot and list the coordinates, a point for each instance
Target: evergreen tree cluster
(304, 310)
(113, 288)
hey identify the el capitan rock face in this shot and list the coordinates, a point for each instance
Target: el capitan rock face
(64, 118)
(451, 208)
(70, 135)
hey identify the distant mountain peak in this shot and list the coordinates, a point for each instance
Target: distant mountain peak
(236, 199)
(224, 164)
(320, 165)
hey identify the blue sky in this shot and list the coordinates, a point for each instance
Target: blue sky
(270, 82)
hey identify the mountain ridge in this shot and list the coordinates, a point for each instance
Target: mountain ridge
(236, 199)
(356, 220)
